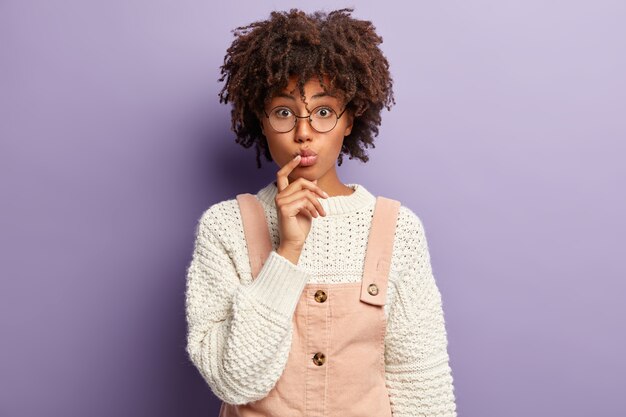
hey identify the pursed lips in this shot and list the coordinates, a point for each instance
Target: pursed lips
(306, 152)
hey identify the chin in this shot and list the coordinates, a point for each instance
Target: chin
(307, 176)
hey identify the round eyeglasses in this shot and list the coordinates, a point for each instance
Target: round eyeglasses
(322, 119)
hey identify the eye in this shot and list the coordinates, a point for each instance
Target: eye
(282, 112)
(324, 112)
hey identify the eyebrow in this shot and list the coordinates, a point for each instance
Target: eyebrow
(289, 96)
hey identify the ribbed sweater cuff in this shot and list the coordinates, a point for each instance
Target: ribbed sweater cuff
(279, 284)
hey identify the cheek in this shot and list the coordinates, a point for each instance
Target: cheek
(279, 154)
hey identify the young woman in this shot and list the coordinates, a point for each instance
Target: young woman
(313, 297)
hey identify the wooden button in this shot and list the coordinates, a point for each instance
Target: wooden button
(320, 296)
(372, 289)
(319, 359)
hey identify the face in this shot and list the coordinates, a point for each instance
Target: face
(285, 146)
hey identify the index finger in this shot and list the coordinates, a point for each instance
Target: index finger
(282, 180)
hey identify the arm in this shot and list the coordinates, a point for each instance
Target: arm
(238, 336)
(419, 378)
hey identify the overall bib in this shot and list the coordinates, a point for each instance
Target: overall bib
(336, 364)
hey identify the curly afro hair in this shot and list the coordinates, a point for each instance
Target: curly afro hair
(265, 54)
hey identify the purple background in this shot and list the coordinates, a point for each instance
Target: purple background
(508, 140)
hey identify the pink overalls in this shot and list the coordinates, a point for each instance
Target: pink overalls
(336, 365)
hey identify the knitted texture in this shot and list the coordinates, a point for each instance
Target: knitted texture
(240, 329)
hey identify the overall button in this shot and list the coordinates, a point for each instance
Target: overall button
(319, 359)
(320, 296)
(372, 289)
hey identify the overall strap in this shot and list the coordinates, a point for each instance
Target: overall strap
(378, 252)
(255, 230)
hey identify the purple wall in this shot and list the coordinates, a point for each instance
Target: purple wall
(508, 140)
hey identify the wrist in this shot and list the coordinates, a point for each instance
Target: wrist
(290, 252)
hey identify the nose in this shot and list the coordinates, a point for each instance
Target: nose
(303, 129)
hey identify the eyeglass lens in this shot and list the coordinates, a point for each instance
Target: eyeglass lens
(322, 119)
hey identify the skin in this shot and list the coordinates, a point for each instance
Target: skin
(300, 186)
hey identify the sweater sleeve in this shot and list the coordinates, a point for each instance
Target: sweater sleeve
(238, 336)
(417, 371)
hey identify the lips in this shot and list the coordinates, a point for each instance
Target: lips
(306, 152)
(308, 158)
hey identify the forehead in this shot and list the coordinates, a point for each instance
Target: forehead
(313, 90)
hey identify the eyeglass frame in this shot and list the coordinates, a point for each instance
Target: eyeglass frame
(295, 123)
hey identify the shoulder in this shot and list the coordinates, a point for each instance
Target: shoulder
(410, 244)
(409, 224)
(409, 232)
(220, 219)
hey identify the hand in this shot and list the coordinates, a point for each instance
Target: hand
(296, 205)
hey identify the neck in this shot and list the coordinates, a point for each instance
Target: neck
(334, 190)
(349, 199)
(331, 184)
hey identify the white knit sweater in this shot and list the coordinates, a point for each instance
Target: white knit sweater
(239, 330)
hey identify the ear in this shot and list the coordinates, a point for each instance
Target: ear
(260, 118)
(350, 120)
